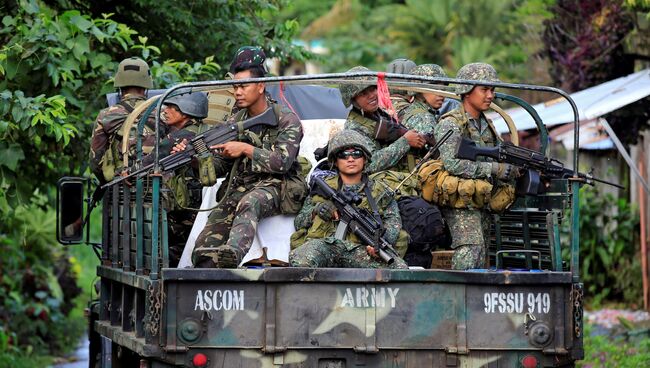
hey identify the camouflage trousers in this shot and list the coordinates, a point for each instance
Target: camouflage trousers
(234, 222)
(179, 226)
(470, 232)
(332, 252)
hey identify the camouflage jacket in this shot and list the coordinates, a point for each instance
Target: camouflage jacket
(318, 228)
(188, 131)
(463, 125)
(275, 154)
(420, 117)
(400, 103)
(107, 136)
(385, 155)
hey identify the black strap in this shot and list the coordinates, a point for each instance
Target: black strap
(372, 203)
(125, 105)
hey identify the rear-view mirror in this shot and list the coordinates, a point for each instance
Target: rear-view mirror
(70, 210)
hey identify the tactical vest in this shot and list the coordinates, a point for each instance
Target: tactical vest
(293, 187)
(406, 163)
(111, 162)
(322, 229)
(444, 189)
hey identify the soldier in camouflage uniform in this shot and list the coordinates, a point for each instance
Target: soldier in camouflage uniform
(424, 112)
(399, 98)
(349, 152)
(255, 170)
(470, 226)
(182, 114)
(364, 117)
(132, 78)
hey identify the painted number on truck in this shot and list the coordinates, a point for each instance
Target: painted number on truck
(517, 302)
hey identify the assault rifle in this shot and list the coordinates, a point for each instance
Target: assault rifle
(359, 221)
(201, 144)
(539, 170)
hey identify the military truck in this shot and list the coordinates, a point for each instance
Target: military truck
(525, 310)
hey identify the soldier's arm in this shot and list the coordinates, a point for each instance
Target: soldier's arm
(384, 158)
(392, 222)
(421, 122)
(304, 219)
(458, 167)
(285, 149)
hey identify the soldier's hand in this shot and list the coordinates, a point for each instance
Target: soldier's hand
(179, 147)
(415, 139)
(503, 171)
(234, 149)
(326, 210)
(371, 251)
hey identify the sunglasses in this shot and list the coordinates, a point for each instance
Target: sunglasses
(343, 155)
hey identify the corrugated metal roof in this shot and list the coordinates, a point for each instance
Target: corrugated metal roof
(592, 102)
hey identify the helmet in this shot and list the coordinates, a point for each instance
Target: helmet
(133, 72)
(347, 139)
(248, 57)
(194, 104)
(428, 70)
(476, 71)
(400, 66)
(349, 90)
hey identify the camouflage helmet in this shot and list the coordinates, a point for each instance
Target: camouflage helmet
(349, 90)
(400, 66)
(428, 70)
(133, 72)
(248, 57)
(194, 104)
(347, 138)
(476, 71)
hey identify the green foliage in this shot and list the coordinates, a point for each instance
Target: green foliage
(449, 33)
(203, 28)
(604, 351)
(607, 246)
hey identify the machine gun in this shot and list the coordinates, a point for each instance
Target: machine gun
(201, 143)
(359, 221)
(539, 169)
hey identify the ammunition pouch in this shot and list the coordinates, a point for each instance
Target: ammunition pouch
(293, 192)
(446, 190)
(207, 173)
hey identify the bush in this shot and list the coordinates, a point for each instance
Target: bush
(609, 266)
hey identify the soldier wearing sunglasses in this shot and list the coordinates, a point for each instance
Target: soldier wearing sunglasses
(348, 153)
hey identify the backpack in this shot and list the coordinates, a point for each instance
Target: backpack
(426, 227)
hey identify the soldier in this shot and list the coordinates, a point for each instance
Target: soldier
(399, 98)
(364, 117)
(183, 115)
(132, 78)
(470, 227)
(256, 170)
(424, 112)
(349, 152)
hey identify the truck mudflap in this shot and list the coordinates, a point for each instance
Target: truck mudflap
(343, 317)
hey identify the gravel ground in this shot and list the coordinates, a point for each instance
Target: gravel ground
(604, 320)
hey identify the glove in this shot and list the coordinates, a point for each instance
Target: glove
(503, 171)
(325, 210)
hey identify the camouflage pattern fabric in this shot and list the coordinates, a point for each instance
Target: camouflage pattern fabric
(469, 227)
(350, 90)
(233, 224)
(475, 71)
(248, 57)
(105, 136)
(323, 250)
(400, 104)
(179, 226)
(384, 155)
(255, 189)
(331, 252)
(419, 116)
